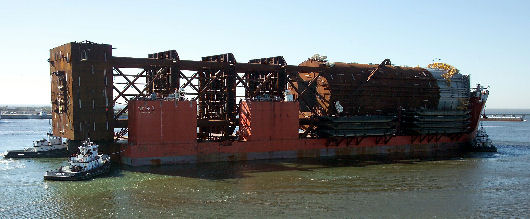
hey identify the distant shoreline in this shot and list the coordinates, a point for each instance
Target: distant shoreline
(507, 111)
(25, 116)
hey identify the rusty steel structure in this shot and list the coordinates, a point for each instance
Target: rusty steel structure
(363, 89)
(84, 95)
(266, 84)
(81, 91)
(339, 102)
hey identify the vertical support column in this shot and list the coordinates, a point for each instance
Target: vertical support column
(163, 80)
(81, 92)
(267, 84)
(217, 99)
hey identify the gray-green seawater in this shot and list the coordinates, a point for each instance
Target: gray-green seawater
(478, 185)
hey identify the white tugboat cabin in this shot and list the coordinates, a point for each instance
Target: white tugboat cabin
(85, 165)
(44, 148)
(53, 143)
(87, 159)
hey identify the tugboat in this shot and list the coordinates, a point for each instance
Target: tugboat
(85, 165)
(52, 147)
(482, 142)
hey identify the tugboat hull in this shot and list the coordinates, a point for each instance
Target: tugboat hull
(40, 154)
(58, 175)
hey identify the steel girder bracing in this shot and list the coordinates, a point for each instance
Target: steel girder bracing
(131, 84)
(159, 80)
(217, 99)
(124, 93)
(163, 80)
(212, 82)
(267, 84)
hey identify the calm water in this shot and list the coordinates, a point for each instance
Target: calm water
(495, 185)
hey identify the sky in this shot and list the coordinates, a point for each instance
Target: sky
(488, 40)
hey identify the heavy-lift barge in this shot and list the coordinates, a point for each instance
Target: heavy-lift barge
(180, 111)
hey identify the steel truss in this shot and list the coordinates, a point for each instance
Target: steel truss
(211, 81)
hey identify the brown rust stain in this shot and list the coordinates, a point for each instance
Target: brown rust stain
(156, 162)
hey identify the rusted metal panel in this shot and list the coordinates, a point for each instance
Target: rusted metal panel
(61, 91)
(268, 120)
(82, 91)
(162, 122)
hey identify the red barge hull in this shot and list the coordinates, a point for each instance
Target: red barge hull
(398, 148)
(165, 132)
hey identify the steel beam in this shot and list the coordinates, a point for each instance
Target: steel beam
(127, 62)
